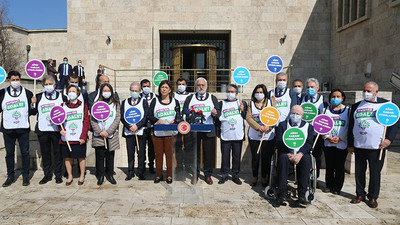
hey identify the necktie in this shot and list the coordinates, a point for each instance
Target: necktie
(201, 97)
(65, 70)
(80, 71)
(14, 92)
(280, 93)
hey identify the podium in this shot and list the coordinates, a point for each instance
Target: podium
(184, 160)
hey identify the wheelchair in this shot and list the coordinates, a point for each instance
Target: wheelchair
(271, 191)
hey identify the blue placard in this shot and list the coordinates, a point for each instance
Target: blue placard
(388, 114)
(274, 64)
(241, 75)
(132, 115)
(3, 75)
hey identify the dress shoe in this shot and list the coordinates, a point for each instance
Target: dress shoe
(158, 179)
(8, 182)
(372, 203)
(141, 177)
(336, 192)
(194, 180)
(129, 177)
(59, 180)
(81, 182)
(45, 180)
(111, 179)
(100, 180)
(68, 183)
(209, 181)
(326, 190)
(25, 181)
(302, 200)
(264, 182)
(169, 180)
(253, 181)
(222, 180)
(282, 198)
(357, 200)
(237, 181)
(151, 169)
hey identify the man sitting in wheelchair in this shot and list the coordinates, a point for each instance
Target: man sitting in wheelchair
(301, 158)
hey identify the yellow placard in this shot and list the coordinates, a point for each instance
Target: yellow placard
(269, 116)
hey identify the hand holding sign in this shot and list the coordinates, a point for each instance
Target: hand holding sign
(269, 116)
(387, 115)
(58, 116)
(101, 111)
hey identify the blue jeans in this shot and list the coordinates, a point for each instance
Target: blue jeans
(9, 142)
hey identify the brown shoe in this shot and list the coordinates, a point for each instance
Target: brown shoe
(264, 182)
(357, 200)
(209, 180)
(253, 181)
(326, 190)
(373, 203)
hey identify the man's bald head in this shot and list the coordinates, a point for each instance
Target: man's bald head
(103, 79)
(296, 109)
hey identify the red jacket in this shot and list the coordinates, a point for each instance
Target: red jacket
(86, 122)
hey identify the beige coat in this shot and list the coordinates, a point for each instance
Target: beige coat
(113, 142)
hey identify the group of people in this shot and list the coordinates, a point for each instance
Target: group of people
(355, 130)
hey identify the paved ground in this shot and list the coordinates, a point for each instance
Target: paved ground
(143, 202)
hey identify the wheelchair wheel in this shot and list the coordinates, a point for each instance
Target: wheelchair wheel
(270, 193)
(311, 193)
(271, 190)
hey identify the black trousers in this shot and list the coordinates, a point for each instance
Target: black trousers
(151, 156)
(303, 173)
(184, 153)
(334, 160)
(131, 148)
(9, 142)
(49, 145)
(207, 153)
(362, 156)
(317, 153)
(266, 152)
(228, 147)
(104, 155)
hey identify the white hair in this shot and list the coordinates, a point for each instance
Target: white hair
(200, 78)
(312, 80)
(281, 74)
(373, 83)
(135, 84)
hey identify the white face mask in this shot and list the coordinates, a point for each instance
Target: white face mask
(79, 64)
(368, 96)
(72, 96)
(259, 96)
(297, 90)
(49, 88)
(134, 95)
(106, 95)
(281, 84)
(295, 118)
(181, 88)
(146, 90)
(230, 96)
(15, 84)
(74, 84)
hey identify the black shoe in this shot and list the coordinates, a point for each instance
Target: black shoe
(129, 177)
(157, 180)
(8, 182)
(100, 180)
(111, 179)
(194, 181)
(151, 169)
(81, 182)
(169, 180)
(25, 181)
(69, 183)
(222, 180)
(45, 180)
(59, 180)
(282, 198)
(303, 200)
(141, 177)
(326, 190)
(237, 181)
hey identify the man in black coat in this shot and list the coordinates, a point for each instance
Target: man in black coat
(64, 70)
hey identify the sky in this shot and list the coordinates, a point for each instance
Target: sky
(37, 14)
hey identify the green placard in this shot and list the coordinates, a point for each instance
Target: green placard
(160, 76)
(310, 111)
(294, 138)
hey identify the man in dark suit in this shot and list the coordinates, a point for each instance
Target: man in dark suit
(64, 70)
(297, 87)
(80, 71)
(301, 158)
(365, 139)
(94, 96)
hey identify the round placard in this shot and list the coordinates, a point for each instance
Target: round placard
(294, 138)
(387, 114)
(323, 124)
(57, 115)
(183, 127)
(241, 75)
(35, 69)
(274, 64)
(269, 116)
(160, 76)
(132, 115)
(101, 111)
(3, 75)
(310, 111)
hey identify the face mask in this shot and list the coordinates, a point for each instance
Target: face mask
(79, 64)
(74, 84)
(297, 90)
(368, 96)
(65, 62)
(295, 118)
(310, 91)
(181, 88)
(49, 88)
(15, 84)
(230, 96)
(146, 90)
(259, 96)
(134, 94)
(72, 96)
(106, 95)
(281, 84)
(336, 101)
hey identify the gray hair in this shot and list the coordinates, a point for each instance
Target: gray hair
(312, 80)
(200, 78)
(134, 84)
(232, 85)
(297, 107)
(373, 83)
(48, 77)
(281, 74)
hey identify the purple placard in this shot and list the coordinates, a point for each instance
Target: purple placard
(323, 124)
(101, 111)
(34, 69)
(57, 115)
